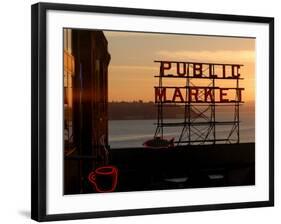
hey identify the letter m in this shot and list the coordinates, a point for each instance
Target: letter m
(160, 94)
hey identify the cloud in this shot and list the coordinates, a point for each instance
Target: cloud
(132, 67)
(222, 56)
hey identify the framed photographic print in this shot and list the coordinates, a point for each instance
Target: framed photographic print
(139, 111)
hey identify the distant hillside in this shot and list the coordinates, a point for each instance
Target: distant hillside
(140, 110)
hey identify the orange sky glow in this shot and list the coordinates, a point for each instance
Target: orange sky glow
(132, 67)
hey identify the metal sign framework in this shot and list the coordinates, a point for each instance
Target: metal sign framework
(200, 123)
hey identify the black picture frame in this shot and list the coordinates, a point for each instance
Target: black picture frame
(39, 122)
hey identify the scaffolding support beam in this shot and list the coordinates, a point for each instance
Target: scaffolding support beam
(200, 121)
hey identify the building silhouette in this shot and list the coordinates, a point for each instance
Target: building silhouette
(86, 61)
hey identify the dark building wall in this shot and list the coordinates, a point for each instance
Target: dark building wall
(90, 119)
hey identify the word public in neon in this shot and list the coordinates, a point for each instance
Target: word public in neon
(200, 70)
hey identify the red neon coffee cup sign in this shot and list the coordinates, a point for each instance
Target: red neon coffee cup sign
(104, 179)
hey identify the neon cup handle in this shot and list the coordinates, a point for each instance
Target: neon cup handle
(92, 179)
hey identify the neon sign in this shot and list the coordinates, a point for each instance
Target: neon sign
(104, 179)
(198, 94)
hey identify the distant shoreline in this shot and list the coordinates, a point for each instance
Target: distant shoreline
(139, 110)
(142, 111)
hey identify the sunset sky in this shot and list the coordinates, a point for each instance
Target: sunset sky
(132, 67)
